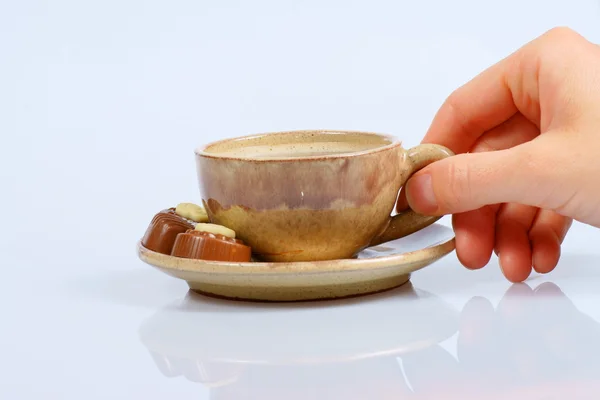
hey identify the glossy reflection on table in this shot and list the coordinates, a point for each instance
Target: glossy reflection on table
(534, 345)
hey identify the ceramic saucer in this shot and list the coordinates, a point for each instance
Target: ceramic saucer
(375, 269)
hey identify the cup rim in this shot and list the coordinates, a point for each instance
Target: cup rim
(394, 142)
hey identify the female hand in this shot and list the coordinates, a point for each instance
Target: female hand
(529, 131)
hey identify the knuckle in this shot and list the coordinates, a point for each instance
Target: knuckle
(559, 40)
(561, 33)
(550, 46)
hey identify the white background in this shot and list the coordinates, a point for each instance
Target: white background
(102, 104)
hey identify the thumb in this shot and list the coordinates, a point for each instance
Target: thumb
(467, 182)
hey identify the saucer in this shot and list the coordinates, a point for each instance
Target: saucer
(375, 269)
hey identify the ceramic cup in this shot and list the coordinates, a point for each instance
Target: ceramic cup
(311, 195)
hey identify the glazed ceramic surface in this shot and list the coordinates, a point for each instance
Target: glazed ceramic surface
(311, 195)
(375, 269)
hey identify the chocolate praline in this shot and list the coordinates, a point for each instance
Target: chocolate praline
(209, 246)
(163, 230)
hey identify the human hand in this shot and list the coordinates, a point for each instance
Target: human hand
(530, 128)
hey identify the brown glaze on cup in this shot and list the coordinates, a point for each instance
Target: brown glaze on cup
(208, 246)
(163, 230)
(311, 195)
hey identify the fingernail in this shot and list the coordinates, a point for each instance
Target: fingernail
(420, 194)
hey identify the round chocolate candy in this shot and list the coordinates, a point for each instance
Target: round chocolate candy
(209, 246)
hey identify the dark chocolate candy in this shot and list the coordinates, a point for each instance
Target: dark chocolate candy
(163, 230)
(208, 246)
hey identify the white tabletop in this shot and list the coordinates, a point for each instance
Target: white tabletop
(102, 104)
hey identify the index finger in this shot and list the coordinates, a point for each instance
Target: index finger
(471, 110)
(495, 95)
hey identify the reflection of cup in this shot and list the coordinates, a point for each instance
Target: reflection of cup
(348, 346)
(311, 195)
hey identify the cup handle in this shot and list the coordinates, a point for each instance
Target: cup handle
(408, 221)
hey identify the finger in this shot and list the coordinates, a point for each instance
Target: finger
(513, 132)
(499, 92)
(474, 232)
(512, 240)
(546, 235)
(471, 110)
(467, 182)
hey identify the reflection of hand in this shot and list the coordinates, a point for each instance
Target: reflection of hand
(535, 115)
(534, 345)
(533, 336)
